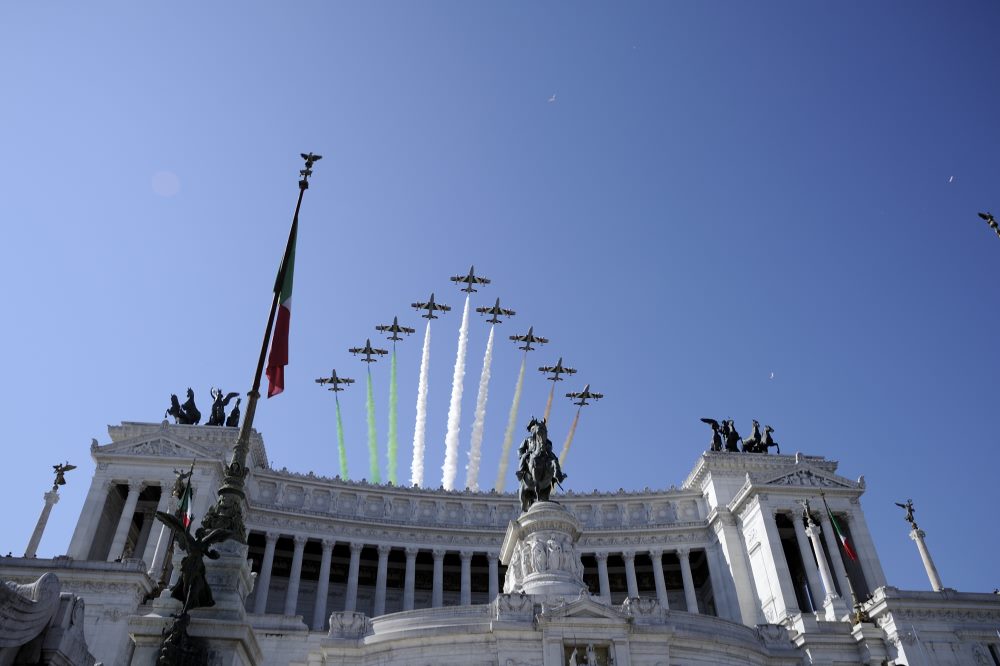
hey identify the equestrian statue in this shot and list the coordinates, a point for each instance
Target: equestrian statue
(538, 469)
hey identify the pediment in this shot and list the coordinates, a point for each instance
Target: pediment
(156, 445)
(808, 477)
(583, 608)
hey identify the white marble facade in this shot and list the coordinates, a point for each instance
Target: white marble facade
(721, 569)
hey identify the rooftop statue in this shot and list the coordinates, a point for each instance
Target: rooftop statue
(234, 416)
(186, 414)
(218, 415)
(751, 444)
(768, 441)
(61, 474)
(538, 469)
(716, 444)
(731, 436)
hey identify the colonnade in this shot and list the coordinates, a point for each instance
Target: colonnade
(631, 581)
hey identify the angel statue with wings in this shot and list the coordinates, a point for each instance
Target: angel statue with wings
(61, 474)
(192, 587)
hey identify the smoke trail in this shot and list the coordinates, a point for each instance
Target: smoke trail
(372, 439)
(450, 468)
(341, 449)
(569, 438)
(393, 430)
(420, 427)
(548, 405)
(475, 450)
(508, 435)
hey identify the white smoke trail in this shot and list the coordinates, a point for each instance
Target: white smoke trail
(450, 468)
(569, 438)
(420, 428)
(475, 450)
(508, 435)
(548, 404)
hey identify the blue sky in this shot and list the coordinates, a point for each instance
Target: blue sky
(718, 192)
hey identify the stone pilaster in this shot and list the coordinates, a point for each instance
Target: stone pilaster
(264, 580)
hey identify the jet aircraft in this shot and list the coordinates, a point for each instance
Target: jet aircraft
(395, 329)
(584, 395)
(430, 306)
(335, 381)
(496, 311)
(470, 280)
(368, 350)
(528, 338)
(557, 370)
(992, 221)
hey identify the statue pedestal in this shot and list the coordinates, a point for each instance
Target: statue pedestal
(540, 553)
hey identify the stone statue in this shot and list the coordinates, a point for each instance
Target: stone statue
(61, 474)
(192, 588)
(573, 658)
(909, 512)
(768, 441)
(716, 444)
(218, 415)
(591, 655)
(186, 414)
(538, 469)
(751, 444)
(41, 624)
(234, 416)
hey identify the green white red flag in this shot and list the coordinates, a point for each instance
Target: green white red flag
(840, 533)
(185, 508)
(278, 358)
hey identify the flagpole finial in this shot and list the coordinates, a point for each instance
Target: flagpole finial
(310, 159)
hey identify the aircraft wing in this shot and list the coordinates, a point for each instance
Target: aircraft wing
(406, 329)
(482, 280)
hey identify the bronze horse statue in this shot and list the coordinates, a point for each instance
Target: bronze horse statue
(539, 467)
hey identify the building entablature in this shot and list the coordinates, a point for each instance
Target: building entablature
(785, 491)
(178, 441)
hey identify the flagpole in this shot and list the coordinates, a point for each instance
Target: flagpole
(227, 512)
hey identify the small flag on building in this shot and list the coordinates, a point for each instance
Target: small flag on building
(840, 533)
(278, 358)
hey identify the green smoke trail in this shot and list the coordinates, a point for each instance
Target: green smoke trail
(393, 431)
(569, 438)
(508, 435)
(372, 438)
(341, 449)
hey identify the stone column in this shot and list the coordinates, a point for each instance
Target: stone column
(162, 543)
(322, 586)
(602, 576)
(812, 573)
(121, 533)
(351, 598)
(661, 585)
(90, 515)
(833, 545)
(383, 572)
(51, 498)
(493, 559)
(149, 553)
(264, 580)
(932, 573)
(437, 594)
(690, 598)
(466, 593)
(409, 579)
(292, 594)
(835, 607)
(630, 582)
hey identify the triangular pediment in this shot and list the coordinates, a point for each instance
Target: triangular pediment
(811, 478)
(156, 445)
(583, 608)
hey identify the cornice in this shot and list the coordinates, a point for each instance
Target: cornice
(728, 464)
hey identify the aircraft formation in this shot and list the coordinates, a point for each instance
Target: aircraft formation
(431, 309)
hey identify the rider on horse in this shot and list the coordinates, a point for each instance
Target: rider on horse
(538, 469)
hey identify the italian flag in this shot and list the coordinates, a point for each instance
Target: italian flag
(840, 533)
(278, 358)
(185, 508)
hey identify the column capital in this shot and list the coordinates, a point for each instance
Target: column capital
(271, 536)
(466, 555)
(136, 486)
(492, 556)
(51, 497)
(656, 553)
(328, 544)
(628, 555)
(383, 550)
(356, 547)
(439, 553)
(814, 531)
(411, 552)
(300, 540)
(601, 557)
(683, 553)
(917, 534)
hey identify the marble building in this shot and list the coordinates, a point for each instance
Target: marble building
(721, 569)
